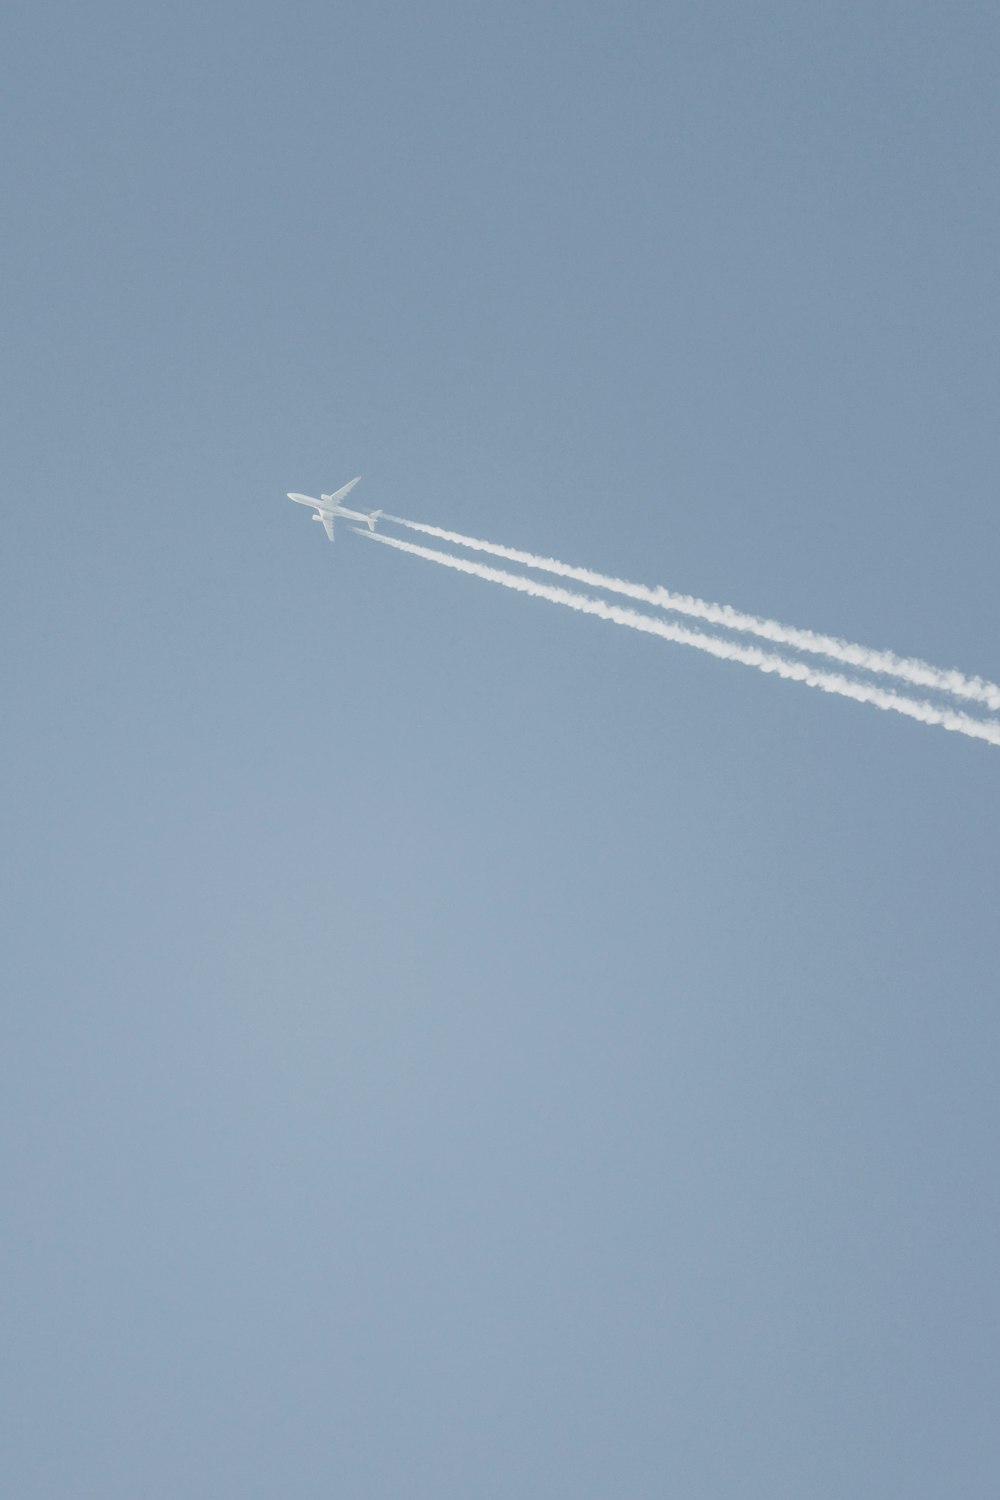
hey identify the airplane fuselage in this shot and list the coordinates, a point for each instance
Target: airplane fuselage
(340, 511)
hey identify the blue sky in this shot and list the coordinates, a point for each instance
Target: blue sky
(452, 1046)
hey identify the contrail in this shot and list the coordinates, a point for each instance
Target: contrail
(728, 650)
(886, 663)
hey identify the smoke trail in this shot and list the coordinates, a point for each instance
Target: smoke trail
(728, 650)
(887, 663)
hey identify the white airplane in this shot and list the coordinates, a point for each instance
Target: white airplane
(329, 506)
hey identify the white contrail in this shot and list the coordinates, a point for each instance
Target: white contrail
(887, 663)
(728, 650)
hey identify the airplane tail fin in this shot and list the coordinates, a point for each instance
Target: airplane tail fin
(374, 516)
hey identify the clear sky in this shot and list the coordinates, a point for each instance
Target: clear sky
(453, 1047)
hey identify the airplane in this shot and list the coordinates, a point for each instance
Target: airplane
(329, 506)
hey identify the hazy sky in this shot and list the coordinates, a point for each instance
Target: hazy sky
(453, 1047)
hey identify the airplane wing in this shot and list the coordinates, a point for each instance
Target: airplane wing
(339, 495)
(327, 524)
